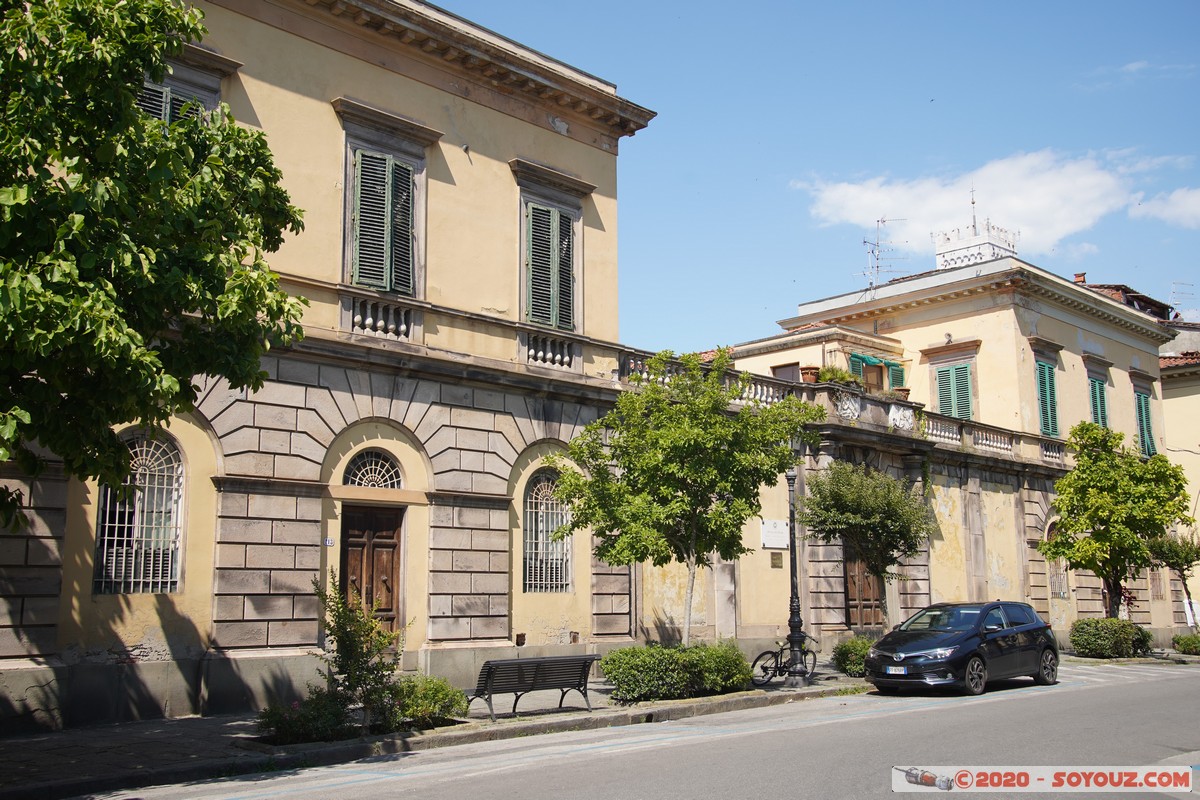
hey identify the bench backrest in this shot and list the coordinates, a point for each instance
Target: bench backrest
(528, 674)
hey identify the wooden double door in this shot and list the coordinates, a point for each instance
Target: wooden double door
(372, 560)
(864, 596)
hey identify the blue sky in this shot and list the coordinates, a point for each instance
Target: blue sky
(785, 130)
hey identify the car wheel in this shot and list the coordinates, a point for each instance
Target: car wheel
(1047, 673)
(975, 676)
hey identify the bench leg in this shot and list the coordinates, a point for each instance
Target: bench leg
(562, 697)
(487, 698)
(516, 700)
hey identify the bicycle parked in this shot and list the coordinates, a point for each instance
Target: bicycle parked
(771, 664)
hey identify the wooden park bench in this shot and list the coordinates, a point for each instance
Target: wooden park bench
(523, 675)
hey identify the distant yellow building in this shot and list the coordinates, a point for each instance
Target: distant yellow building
(974, 373)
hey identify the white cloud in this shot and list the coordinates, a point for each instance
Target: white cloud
(1045, 196)
(1135, 66)
(1181, 207)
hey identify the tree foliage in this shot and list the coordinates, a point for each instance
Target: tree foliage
(671, 474)
(1180, 554)
(131, 252)
(877, 518)
(1111, 506)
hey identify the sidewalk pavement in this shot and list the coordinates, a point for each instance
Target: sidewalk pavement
(108, 758)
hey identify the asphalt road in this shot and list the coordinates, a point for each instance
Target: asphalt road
(840, 747)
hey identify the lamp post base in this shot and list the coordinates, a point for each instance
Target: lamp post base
(797, 682)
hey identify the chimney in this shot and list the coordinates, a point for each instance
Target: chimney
(1081, 277)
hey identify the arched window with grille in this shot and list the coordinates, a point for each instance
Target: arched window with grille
(139, 535)
(374, 469)
(547, 562)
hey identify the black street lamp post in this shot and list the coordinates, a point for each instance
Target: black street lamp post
(796, 676)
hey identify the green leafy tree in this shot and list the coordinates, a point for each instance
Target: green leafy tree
(131, 251)
(875, 517)
(1180, 554)
(1111, 506)
(671, 474)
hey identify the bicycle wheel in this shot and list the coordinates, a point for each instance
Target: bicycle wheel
(764, 668)
(808, 659)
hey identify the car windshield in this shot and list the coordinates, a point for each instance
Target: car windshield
(957, 618)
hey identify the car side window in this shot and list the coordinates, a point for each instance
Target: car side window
(1019, 615)
(994, 617)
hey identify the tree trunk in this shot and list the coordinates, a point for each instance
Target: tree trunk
(883, 603)
(1187, 593)
(1113, 587)
(687, 601)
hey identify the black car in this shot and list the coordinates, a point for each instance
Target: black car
(964, 645)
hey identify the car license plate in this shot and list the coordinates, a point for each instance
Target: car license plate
(897, 670)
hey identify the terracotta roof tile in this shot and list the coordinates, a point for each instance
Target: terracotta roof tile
(1188, 358)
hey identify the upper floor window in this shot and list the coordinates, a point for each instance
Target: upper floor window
(872, 370)
(1145, 430)
(547, 562)
(1098, 397)
(954, 390)
(552, 214)
(385, 188)
(139, 535)
(1047, 398)
(195, 77)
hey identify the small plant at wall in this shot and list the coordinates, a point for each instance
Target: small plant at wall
(1187, 644)
(360, 653)
(322, 716)
(849, 655)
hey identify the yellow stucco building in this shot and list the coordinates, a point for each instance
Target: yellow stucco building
(460, 259)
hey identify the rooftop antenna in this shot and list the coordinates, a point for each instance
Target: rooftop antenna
(876, 252)
(974, 226)
(1180, 293)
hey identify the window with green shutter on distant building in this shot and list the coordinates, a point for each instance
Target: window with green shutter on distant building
(954, 390)
(1098, 398)
(1047, 397)
(1145, 430)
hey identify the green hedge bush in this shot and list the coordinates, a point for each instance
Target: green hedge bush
(422, 701)
(848, 655)
(1187, 643)
(1109, 638)
(655, 672)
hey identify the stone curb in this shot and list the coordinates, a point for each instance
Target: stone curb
(276, 758)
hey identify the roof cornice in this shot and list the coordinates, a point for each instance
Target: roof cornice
(1023, 279)
(437, 36)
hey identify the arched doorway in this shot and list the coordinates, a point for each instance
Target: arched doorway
(372, 538)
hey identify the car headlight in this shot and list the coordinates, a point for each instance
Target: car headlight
(941, 652)
(873, 653)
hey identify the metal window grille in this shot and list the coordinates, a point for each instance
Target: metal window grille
(1157, 589)
(547, 562)
(375, 469)
(138, 536)
(1058, 578)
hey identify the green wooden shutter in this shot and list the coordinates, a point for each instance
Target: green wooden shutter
(895, 376)
(540, 262)
(856, 365)
(961, 374)
(1047, 399)
(1099, 401)
(402, 228)
(566, 272)
(1145, 431)
(945, 391)
(371, 219)
(154, 100)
